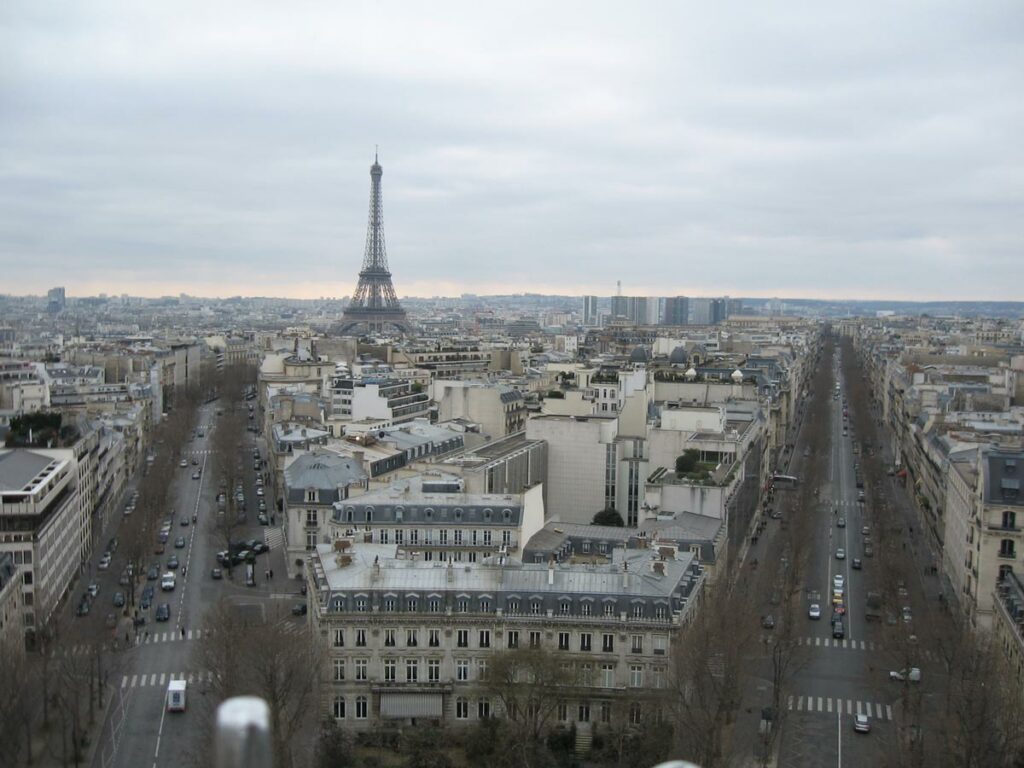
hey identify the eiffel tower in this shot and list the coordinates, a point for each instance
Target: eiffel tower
(374, 304)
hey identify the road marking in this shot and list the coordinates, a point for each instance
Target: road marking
(789, 703)
(829, 702)
(162, 679)
(820, 705)
(888, 712)
(124, 681)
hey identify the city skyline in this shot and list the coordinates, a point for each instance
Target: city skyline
(677, 150)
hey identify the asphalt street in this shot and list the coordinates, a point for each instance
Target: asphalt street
(139, 730)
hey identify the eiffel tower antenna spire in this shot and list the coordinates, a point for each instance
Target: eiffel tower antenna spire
(374, 303)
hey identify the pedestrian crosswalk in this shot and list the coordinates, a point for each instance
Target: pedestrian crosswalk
(274, 537)
(149, 638)
(828, 705)
(829, 642)
(160, 679)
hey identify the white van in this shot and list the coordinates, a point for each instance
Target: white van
(176, 696)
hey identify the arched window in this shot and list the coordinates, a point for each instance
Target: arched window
(369, 514)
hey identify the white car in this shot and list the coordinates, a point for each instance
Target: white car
(838, 581)
(861, 723)
(913, 675)
(814, 612)
(183, 463)
(840, 554)
(167, 582)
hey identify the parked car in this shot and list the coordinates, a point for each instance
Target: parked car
(907, 615)
(119, 599)
(299, 609)
(262, 519)
(83, 608)
(93, 589)
(159, 549)
(913, 675)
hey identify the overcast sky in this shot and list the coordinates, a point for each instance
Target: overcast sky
(870, 150)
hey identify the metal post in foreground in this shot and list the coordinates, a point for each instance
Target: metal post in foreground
(243, 734)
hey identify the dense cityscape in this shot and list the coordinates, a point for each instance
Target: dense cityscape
(672, 418)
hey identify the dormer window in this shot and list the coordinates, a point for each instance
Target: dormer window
(458, 513)
(311, 494)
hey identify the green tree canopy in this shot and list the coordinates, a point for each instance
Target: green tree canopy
(688, 461)
(608, 516)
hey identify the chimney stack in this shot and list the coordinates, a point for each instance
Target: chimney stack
(451, 572)
(551, 571)
(375, 576)
(625, 575)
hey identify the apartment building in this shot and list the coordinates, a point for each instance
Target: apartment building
(408, 640)
(499, 409)
(508, 465)
(999, 528)
(434, 516)
(391, 401)
(313, 482)
(43, 526)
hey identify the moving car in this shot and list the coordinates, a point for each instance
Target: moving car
(167, 582)
(163, 612)
(183, 463)
(838, 581)
(814, 612)
(861, 723)
(767, 621)
(840, 554)
(856, 563)
(838, 630)
(216, 573)
(172, 564)
(93, 589)
(179, 543)
(119, 599)
(841, 522)
(299, 609)
(196, 475)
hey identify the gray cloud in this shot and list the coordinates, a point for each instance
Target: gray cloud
(796, 150)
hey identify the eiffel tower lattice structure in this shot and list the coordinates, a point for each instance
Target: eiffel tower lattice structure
(374, 305)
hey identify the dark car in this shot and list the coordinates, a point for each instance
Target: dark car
(153, 573)
(184, 521)
(768, 621)
(172, 564)
(216, 573)
(262, 519)
(159, 549)
(179, 543)
(163, 612)
(83, 608)
(146, 602)
(119, 599)
(299, 609)
(857, 564)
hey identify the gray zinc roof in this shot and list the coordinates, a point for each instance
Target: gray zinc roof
(323, 470)
(18, 468)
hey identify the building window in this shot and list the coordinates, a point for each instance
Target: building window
(1009, 519)
(414, 537)
(434, 638)
(535, 639)
(607, 675)
(483, 709)
(311, 540)
(411, 638)
(481, 669)
(485, 638)
(565, 608)
(1007, 548)
(339, 707)
(361, 604)
(660, 645)
(472, 537)
(410, 604)
(513, 607)
(389, 605)
(584, 609)
(385, 536)
(638, 611)
(361, 708)
(608, 643)
(563, 641)
(657, 677)
(506, 538)
(606, 711)
(636, 676)
(609, 609)
(339, 638)
(360, 638)
(563, 712)
(487, 538)
(636, 644)
(635, 713)
(513, 639)
(389, 638)
(399, 536)
(485, 606)
(535, 608)
(339, 670)
(390, 667)
(462, 638)
(433, 670)
(458, 538)
(463, 605)
(585, 640)
(461, 708)
(586, 674)
(435, 605)
(660, 612)
(462, 669)
(361, 669)
(584, 712)
(444, 537)
(412, 670)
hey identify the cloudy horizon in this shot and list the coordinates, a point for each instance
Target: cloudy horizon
(790, 149)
